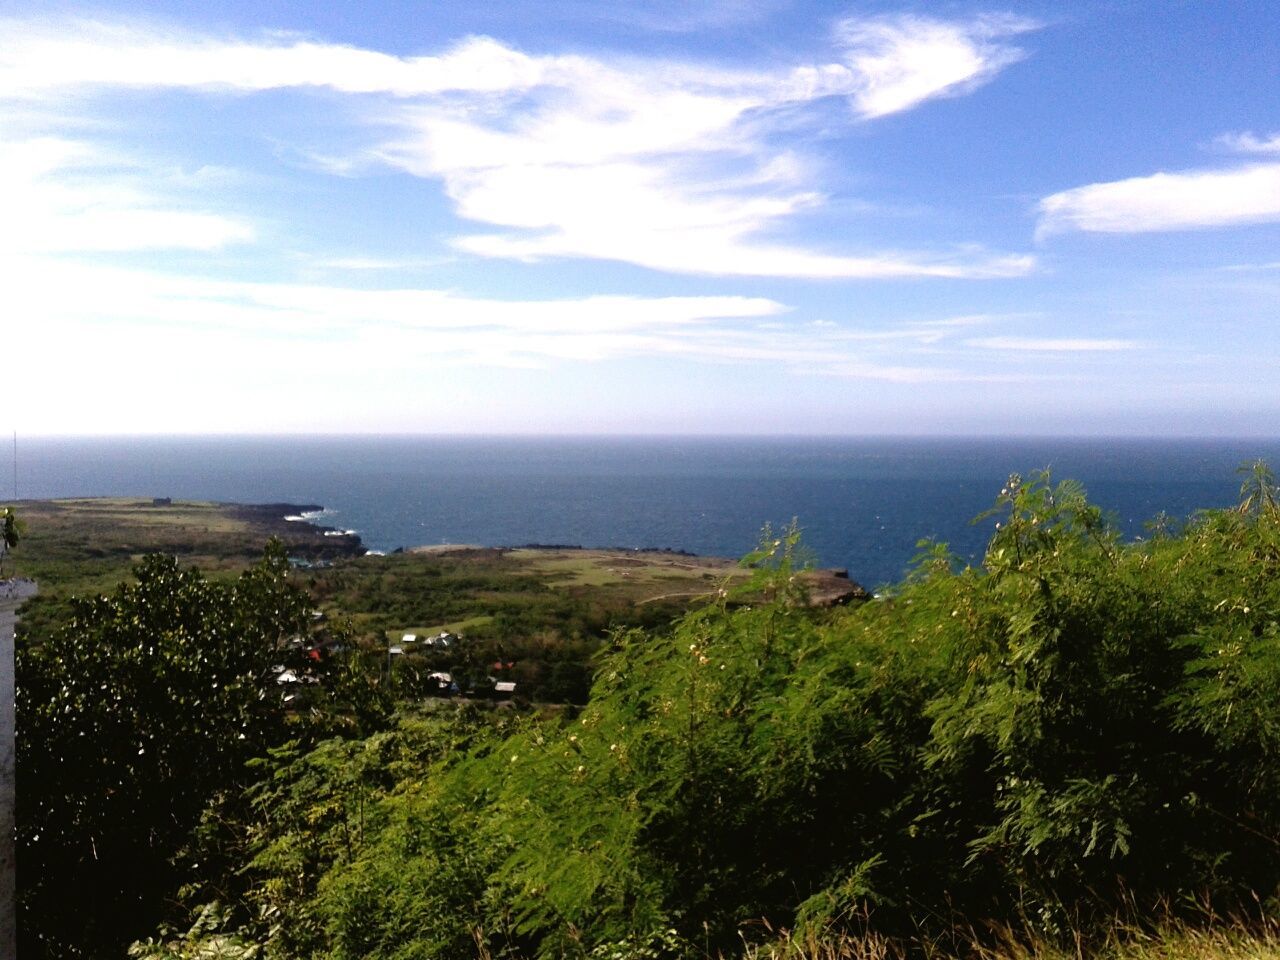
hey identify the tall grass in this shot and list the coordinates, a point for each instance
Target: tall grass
(1213, 939)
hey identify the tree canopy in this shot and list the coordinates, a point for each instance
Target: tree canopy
(143, 708)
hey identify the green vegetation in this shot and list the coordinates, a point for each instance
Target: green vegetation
(1078, 731)
(144, 706)
(547, 612)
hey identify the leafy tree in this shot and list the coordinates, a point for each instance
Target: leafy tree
(144, 707)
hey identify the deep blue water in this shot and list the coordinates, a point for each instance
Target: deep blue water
(863, 503)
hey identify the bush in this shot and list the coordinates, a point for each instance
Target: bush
(1079, 728)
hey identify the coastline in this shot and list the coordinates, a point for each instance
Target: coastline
(227, 534)
(295, 525)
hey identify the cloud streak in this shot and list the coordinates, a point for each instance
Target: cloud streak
(1053, 344)
(66, 302)
(1190, 200)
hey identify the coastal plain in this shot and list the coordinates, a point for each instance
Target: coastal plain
(86, 544)
(546, 608)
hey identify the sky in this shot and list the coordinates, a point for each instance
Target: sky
(585, 217)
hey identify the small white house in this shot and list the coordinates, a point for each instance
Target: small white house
(444, 682)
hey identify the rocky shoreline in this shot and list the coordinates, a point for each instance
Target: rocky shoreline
(303, 537)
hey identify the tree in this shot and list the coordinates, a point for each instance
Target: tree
(140, 710)
(1258, 489)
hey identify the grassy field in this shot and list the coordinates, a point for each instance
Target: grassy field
(636, 576)
(497, 593)
(69, 542)
(457, 626)
(84, 547)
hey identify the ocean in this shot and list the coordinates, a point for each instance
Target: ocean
(863, 503)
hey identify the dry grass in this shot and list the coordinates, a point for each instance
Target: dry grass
(638, 576)
(1215, 939)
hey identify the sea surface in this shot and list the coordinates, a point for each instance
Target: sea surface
(863, 503)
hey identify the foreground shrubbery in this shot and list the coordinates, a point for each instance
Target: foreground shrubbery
(1080, 728)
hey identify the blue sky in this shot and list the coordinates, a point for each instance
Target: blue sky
(584, 217)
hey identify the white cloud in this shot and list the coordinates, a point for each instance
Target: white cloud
(667, 165)
(1251, 267)
(61, 195)
(1053, 345)
(360, 264)
(1168, 201)
(42, 58)
(1250, 143)
(900, 62)
(888, 64)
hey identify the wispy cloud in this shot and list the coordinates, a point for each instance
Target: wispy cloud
(1053, 344)
(677, 16)
(900, 62)
(375, 264)
(1265, 267)
(1168, 201)
(370, 329)
(1250, 143)
(667, 165)
(62, 195)
(884, 65)
(40, 59)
